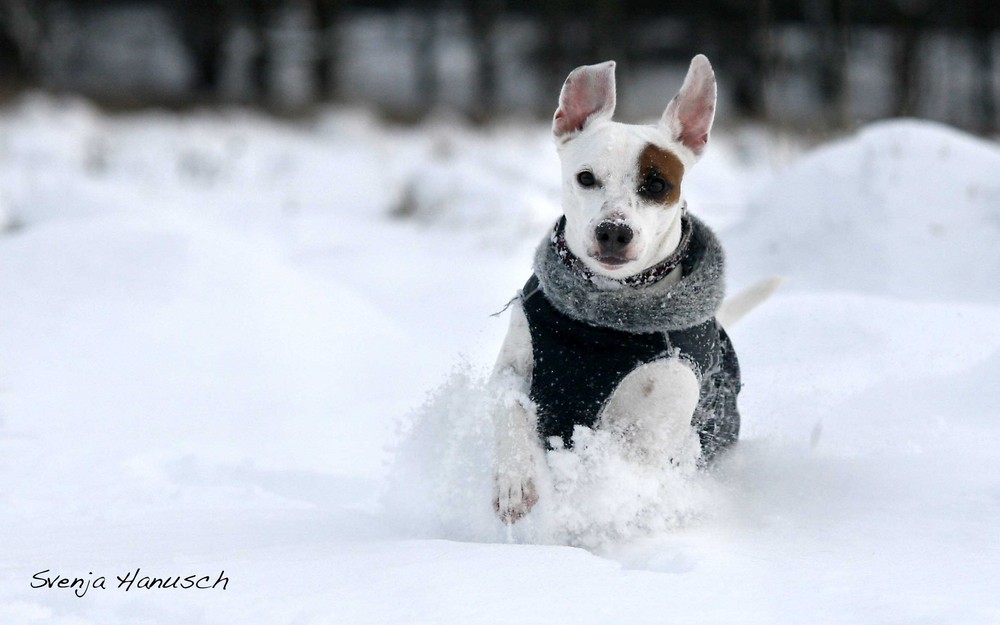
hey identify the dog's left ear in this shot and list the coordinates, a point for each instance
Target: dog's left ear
(688, 118)
(588, 94)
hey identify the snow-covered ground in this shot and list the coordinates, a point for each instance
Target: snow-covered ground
(218, 333)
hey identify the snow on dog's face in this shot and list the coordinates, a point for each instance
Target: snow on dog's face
(622, 182)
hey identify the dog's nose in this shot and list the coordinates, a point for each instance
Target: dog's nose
(613, 237)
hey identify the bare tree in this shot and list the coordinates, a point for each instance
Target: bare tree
(329, 14)
(204, 29)
(906, 66)
(552, 56)
(22, 33)
(428, 84)
(483, 18)
(827, 19)
(984, 18)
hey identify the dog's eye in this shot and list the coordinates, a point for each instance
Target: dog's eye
(586, 179)
(655, 187)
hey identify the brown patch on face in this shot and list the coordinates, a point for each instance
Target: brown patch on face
(656, 163)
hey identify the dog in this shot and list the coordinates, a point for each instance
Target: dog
(621, 326)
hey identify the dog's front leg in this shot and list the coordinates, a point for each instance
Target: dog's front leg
(651, 412)
(518, 452)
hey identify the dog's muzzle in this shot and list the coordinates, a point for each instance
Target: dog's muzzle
(613, 238)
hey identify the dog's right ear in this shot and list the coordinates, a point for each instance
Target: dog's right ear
(587, 94)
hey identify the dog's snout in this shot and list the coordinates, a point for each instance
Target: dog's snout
(613, 236)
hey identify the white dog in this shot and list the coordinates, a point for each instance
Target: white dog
(620, 326)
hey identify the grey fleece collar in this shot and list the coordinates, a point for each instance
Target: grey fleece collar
(658, 307)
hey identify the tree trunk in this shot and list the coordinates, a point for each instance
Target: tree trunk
(827, 18)
(327, 66)
(907, 40)
(552, 56)
(427, 83)
(22, 31)
(484, 15)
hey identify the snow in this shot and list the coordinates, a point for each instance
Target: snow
(232, 343)
(905, 208)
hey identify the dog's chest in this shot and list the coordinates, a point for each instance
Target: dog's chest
(578, 367)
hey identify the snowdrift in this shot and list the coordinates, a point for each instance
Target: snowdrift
(907, 208)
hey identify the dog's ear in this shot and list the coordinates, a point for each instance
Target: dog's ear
(688, 118)
(587, 94)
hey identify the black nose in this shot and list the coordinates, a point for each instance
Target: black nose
(613, 237)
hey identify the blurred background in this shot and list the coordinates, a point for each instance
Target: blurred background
(817, 64)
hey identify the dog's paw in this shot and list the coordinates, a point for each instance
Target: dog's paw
(513, 497)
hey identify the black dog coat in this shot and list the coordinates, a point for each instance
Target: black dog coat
(579, 361)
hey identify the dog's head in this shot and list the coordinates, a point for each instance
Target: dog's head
(621, 182)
